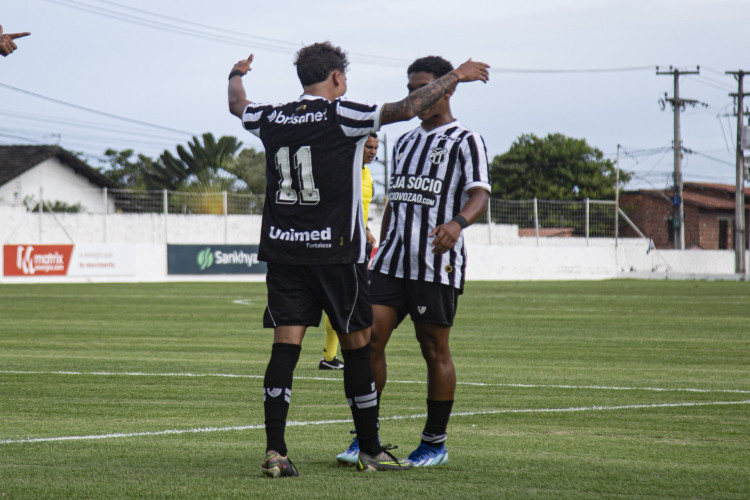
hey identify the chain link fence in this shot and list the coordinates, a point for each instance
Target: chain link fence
(178, 202)
(547, 218)
(534, 218)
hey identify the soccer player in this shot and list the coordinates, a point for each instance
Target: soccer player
(313, 234)
(330, 361)
(439, 185)
(7, 41)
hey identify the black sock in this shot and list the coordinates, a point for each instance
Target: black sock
(277, 393)
(359, 387)
(438, 414)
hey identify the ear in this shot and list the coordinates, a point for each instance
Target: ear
(337, 78)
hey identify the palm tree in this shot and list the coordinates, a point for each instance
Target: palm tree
(198, 164)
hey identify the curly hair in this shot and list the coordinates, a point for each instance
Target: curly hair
(434, 65)
(315, 62)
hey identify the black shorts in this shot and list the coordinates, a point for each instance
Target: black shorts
(297, 295)
(424, 302)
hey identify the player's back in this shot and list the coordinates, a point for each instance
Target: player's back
(312, 213)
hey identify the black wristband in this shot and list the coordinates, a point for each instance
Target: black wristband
(236, 73)
(461, 221)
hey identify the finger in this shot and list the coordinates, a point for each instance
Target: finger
(433, 232)
(18, 35)
(1, 29)
(250, 59)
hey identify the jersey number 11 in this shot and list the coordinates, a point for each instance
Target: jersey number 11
(308, 193)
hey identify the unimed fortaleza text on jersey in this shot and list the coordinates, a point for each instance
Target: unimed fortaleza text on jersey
(314, 149)
(432, 174)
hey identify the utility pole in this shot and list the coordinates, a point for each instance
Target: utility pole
(617, 196)
(739, 194)
(678, 104)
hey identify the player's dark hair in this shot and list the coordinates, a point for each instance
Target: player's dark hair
(434, 65)
(373, 135)
(315, 62)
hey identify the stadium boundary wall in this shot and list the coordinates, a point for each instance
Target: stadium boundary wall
(496, 252)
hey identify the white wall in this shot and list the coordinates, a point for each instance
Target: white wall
(59, 182)
(495, 253)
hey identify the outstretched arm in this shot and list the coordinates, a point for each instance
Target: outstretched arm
(7, 43)
(237, 98)
(423, 98)
(446, 235)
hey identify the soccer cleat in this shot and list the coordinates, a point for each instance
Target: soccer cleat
(349, 457)
(277, 466)
(335, 364)
(426, 455)
(382, 461)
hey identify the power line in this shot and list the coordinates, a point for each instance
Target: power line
(721, 85)
(572, 71)
(704, 155)
(183, 27)
(244, 35)
(90, 126)
(241, 39)
(95, 111)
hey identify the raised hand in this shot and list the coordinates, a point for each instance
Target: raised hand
(7, 44)
(471, 71)
(244, 65)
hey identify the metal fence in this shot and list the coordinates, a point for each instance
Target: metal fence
(179, 202)
(545, 218)
(535, 218)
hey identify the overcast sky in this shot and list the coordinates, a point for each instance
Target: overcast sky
(163, 66)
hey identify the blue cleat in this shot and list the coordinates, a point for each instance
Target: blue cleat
(351, 455)
(427, 456)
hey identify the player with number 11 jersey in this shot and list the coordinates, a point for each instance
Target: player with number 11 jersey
(314, 148)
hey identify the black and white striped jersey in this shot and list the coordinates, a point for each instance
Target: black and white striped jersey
(432, 174)
(314, 150)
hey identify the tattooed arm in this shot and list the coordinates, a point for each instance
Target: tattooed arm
(423, 98)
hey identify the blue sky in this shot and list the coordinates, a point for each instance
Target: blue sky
(160, 67)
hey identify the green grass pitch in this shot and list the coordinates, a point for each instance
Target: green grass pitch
(613, 389)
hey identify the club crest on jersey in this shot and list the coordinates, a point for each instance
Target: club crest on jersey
(421, 309)
(437, 155)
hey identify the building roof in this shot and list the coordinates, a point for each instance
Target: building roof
(701, 194)
(15, 160)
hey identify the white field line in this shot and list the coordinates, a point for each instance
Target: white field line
(347, 421)
(474, 384)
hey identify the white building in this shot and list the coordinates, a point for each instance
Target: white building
(52, 173)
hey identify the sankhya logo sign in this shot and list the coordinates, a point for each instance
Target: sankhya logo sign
(205, 259)
(214, 259)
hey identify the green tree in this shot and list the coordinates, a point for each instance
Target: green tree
(250, 167)
(554, 168)
(204, 163)
(127, 170)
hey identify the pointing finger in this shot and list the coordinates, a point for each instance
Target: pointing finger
(18, 35)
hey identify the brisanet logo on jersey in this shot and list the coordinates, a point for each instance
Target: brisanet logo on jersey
(277, 116)
(36, 260)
